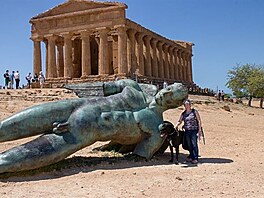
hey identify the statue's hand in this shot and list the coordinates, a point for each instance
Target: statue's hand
(60, 127)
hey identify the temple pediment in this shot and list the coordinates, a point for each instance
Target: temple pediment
(74, 6)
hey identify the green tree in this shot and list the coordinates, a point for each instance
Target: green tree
(256, 83)
(247, 81)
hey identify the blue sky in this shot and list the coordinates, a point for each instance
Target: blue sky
(225, 32)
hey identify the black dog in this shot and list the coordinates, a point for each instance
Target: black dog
(174, 138)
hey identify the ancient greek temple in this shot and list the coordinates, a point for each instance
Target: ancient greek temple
(94, 41)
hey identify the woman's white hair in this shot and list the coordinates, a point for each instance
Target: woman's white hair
(187, 101)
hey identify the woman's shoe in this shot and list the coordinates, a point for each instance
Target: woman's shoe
(195, 162)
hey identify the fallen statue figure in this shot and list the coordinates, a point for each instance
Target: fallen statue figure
(128, 117)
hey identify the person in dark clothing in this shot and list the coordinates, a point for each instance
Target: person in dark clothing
(7, 79)
(219, 95)
(223, 95)
(28, 78)
(35, 78)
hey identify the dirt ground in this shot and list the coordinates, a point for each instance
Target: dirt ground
(231, 162)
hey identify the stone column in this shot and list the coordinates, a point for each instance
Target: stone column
(175, 63)
(37, 67)
(76, 58)
(161, 67)
(131, 59)
(180, 69)
(139, 52)
(147, 56)
(47, 57)
(188, 69)
(190, 76)
(115, 53)
(122, 50)
(52, 73)
(60, 60)
(184, 66)
(166, 62)
(68, 55)
(103, 52)
(86, 54)
(153, 44)
(171, 63)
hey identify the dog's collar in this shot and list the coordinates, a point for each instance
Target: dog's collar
(172, 133)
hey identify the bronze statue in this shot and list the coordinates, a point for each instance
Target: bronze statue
(127, 116)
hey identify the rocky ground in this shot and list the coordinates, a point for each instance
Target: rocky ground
(231, 162)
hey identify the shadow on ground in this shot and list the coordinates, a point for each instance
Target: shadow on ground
(207, 161)
(214, 161)
(77, 164)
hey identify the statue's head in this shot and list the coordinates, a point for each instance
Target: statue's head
(172, 96)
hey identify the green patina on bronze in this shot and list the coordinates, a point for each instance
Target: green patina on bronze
(127, 116)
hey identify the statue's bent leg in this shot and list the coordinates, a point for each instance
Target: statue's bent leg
(37, 119)
(43, 151)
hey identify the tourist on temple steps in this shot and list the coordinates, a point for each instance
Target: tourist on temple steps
(7, 79)
(165, 84)
(193, 130)
(17, 79)
(12, 76)
(41, 79)
(28, 78)
(35, 78)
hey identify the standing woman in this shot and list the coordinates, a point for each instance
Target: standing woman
(193, 130)
(41, 79)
